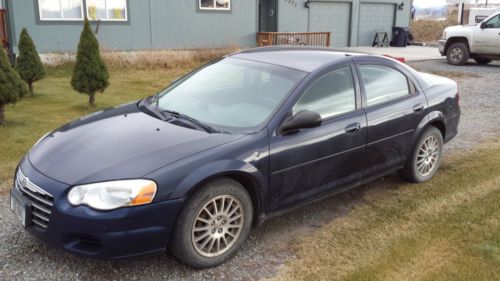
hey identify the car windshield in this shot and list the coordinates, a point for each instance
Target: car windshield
(231, 94)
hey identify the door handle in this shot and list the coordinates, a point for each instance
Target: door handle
(353, 128)
(418, 108)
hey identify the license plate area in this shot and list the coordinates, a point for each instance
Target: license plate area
(21, 208)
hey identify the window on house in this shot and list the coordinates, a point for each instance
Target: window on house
(215, 4)
(107, 10)
(60, 9)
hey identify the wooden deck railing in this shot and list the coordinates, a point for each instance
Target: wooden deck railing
(293, 38)
(4, 37)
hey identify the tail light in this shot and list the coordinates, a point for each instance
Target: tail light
(400, 59)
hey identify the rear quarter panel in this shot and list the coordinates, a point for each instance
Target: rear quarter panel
(443, 102)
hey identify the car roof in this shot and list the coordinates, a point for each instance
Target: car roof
(305, 59)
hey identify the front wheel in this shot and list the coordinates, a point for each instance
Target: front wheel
(426, 157)
(457, 54)
(213, 224)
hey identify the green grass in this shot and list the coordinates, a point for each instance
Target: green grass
(55, 103)
(446, 229)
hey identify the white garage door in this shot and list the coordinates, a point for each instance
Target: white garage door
(333, 17)
(375, 18)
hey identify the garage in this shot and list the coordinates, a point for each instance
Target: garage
(375, 18)
(333, 17)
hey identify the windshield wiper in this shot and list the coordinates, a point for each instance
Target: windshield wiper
(198, 123)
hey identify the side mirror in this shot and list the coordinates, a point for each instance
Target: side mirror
(483, 25)
(302, 120)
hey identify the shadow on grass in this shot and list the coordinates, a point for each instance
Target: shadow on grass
(12, 123)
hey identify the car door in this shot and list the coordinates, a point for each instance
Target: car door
(310, 161)
(394, 108)
(487, 39)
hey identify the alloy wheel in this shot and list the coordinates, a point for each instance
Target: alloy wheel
(428, 156)
(456, 55)
(217, 225)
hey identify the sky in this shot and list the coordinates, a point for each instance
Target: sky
(428, 3)
(439, 3)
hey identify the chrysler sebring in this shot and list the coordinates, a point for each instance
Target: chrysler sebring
(191, 169)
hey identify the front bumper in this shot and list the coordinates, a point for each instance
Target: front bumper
(441, 46)
(120, 233)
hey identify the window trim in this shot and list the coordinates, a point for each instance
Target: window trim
(363, 89)
(107, 19)
(357, 105)
(229, 8)
(42, 19)
(84, 8)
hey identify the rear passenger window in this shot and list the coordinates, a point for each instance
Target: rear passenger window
(383, 84)
(332, 94)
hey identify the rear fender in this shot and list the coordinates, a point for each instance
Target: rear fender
(428, 119)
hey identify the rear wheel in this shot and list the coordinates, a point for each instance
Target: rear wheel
(213, 224)
(482, 60)
(426, 157)
(457, 54)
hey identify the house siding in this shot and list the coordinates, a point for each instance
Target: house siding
(152, 24)
(172, 24)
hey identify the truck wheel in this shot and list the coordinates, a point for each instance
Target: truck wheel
(457, 54)
(213, 224)
(426, 157)
(483, 60)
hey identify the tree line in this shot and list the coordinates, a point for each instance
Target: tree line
(90, 74)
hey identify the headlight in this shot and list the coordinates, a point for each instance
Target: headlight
(113, 194)
(444, 35)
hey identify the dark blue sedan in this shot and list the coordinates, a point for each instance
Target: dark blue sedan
(241, 139)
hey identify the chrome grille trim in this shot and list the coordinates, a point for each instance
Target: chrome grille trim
(42, 225)
(41, 200)
(37, 197)
(27, 184)
(41, 216)
(41, 208)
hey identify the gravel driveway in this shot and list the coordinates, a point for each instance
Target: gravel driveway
(23, 257)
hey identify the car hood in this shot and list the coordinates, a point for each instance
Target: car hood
(459, 28)
(119, 143)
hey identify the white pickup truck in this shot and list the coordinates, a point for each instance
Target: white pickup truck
(480, 42)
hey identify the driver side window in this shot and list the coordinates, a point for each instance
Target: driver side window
(330, 95)
(493, 22)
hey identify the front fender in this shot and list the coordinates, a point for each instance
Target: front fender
(221, 168)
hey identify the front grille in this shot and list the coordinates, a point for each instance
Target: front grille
(41, 200)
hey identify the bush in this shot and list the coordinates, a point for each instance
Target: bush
(29, 65)
(12, 87)
(90, 74)
(429, 31)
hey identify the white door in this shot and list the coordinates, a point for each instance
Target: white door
(487, 40)
(332, 17)
(375, 18)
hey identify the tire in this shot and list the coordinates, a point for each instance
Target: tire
(199, 213)
(457, 54)
(482, 61)
(420, 167)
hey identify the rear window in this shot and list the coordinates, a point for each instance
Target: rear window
(383, 84)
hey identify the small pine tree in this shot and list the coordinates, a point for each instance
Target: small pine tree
(90, 74)
(29, 66)
(12, 87)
